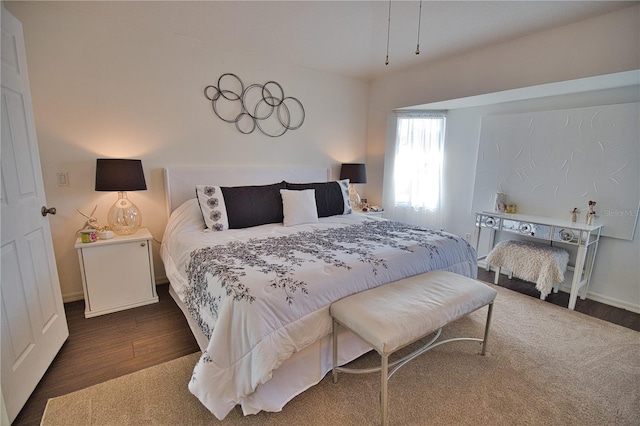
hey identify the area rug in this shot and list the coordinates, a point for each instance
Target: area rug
(546, 365)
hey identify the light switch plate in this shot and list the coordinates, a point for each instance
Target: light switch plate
(63, 178)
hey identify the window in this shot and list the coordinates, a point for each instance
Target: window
(416, 189)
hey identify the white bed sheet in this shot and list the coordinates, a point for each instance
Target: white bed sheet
(290, 325)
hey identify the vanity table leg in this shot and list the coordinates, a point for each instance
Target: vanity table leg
(577, 276)
(591, 257)
(492, 238)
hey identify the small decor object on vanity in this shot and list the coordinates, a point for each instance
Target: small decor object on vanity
(574, 214)
(591, 214)
(501, 202)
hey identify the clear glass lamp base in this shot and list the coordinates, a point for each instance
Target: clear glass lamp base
(124, 218)
(354, 197)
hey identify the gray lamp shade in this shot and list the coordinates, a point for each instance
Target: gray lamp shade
(114, 174)
(355, 172)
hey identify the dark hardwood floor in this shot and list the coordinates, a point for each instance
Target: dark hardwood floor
(592, 308)
(113, 345)
(110, 346)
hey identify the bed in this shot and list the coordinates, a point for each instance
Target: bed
(256, 289)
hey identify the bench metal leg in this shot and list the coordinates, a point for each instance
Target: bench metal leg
(384, 375)
(335, 351)
(486, 329)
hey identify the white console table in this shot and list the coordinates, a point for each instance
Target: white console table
(585, 237)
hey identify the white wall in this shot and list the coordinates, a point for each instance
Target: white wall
(598, 46)
(105, 89)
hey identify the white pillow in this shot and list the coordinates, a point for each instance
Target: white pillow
(299, 207)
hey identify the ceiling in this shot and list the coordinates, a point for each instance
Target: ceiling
(346, 37)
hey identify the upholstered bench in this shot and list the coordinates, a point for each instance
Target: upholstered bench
(531, 261)
(395, 315)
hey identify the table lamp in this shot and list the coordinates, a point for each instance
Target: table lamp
(356, 173)
(114, 174)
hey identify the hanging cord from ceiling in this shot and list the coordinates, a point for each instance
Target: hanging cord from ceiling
(419, 20)
(386, 62)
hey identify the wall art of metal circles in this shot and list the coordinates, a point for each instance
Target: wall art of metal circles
(261, 106)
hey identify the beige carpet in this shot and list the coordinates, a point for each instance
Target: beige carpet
(545, 365)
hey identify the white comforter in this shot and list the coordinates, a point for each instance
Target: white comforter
(261, 294)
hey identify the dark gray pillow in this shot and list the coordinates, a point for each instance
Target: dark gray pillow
(332, 198)
(249, 206)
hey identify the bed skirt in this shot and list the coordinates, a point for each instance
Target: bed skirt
(301, 371)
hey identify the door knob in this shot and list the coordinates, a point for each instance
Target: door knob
(44, 210)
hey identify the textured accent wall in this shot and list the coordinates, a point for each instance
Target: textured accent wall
(549, 162)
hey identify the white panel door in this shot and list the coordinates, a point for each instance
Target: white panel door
(34, 325)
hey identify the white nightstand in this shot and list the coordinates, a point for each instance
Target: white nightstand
(117, 274)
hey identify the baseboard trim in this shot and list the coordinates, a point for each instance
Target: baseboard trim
(73, 297)
(608, 301)
(79, 295)
(162, 279)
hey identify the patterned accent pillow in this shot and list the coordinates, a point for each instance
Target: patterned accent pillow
(344, 185)
(212, 206)
(332, 198)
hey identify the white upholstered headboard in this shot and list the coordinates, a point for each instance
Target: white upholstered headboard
(180, 182)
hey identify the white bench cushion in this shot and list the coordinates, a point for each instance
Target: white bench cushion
(396, 314)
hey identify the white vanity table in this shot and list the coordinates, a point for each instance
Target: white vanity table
(584, 237)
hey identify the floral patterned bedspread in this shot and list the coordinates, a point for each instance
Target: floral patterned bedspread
(263, 293)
